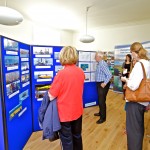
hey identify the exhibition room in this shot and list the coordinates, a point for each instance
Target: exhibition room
(89, 59)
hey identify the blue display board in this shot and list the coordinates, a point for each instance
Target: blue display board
(90, 96)
(2, 142)
(17, 92)
(45, 65)
(2, 147)
(88, 64)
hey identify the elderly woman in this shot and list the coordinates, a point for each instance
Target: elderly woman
(135, 111)
(68, 88)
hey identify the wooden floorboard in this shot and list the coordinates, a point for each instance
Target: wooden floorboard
(106, 136)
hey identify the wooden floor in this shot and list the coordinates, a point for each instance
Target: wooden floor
(106, 136)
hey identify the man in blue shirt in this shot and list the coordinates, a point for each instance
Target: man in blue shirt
(102, 78)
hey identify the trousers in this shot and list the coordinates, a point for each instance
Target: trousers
(70, 135)
(135, 125)
(102, 93)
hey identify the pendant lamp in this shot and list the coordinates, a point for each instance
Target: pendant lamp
(86, 38)
(9, 16)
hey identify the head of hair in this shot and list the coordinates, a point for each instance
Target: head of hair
(129, 56)
(100, 53)
(138, 49)
(68, 55)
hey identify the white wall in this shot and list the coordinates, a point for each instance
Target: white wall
(66, 38)
(21, 32)
(106, 39)
(44, 35)
(31, 33)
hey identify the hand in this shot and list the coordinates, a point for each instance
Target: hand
(124, 71)
(123, 79)
(103, 85)
(148, 107)
(124, 87)
(49, 95)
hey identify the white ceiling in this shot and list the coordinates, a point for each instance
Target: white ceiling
(70, 14)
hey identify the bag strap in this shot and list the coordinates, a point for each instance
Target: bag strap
(144, 73)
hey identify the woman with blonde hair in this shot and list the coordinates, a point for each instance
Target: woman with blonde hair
(68, 88)
(135, 110)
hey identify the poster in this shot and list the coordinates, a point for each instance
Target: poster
(120, 52)
(84, 56)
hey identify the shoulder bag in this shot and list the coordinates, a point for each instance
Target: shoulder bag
(142, 94)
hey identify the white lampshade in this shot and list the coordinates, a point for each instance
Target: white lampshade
(9, 16)
(87, 39)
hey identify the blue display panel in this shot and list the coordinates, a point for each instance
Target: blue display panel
(2, 147)
(90, 96)
(17, 93)
(88, 64)
(45, 65)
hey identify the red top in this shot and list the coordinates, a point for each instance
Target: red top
(68, 88)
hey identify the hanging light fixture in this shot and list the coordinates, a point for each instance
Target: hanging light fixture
(9, 16)
(86, 38)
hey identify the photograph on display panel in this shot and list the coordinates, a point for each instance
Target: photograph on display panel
(40, 91)
(11, 62)
(10, 45)
(56, 55)
(24, 66)
(42, 50)
(93, 56)
(87, 77)
(25, 78)
(12, 76)
(24, 53)
(84, 56)
(23, 95)
(58, 67)
(85, 66)
(93, 77)
(43, 62)
(93, 66)
(43, 74)
(13, 88)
